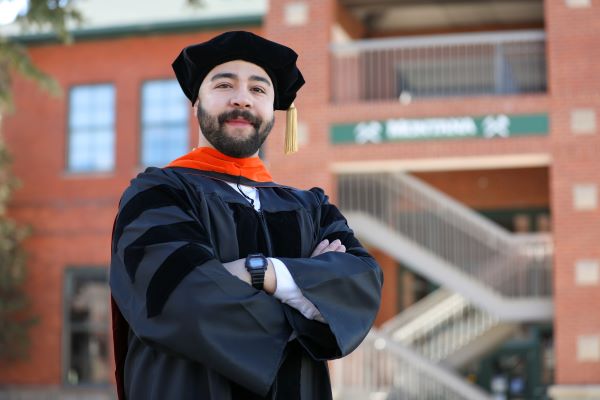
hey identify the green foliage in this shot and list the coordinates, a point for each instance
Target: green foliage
(14, 319)
(14, 58)
(43, 15)
(55, 15)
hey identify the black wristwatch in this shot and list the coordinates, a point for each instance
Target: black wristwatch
(256, 265)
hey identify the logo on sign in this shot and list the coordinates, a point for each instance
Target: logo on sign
(368, 132)
(496, 126)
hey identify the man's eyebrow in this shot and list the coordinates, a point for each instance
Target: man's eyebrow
(260, 79)
(226, 75)
(230, 75)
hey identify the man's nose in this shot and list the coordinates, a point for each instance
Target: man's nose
(241, 99)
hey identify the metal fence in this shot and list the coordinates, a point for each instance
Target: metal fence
(438, 66)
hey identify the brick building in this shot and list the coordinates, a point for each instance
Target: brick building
(460, 138)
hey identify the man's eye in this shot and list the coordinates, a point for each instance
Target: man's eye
(223, 85)
(259, 90)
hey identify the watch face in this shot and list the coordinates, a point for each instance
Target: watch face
(256, 262)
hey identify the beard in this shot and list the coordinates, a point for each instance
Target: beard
(214, 130)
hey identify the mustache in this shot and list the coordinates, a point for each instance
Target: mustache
(234, 114)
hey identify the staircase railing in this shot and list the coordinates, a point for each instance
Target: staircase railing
(443, 328)
(511, 266)
(383, 369)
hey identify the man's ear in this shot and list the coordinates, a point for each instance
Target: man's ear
(195, 106)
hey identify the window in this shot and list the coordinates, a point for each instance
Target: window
(164, 122)
(86, 340)
(91, 128)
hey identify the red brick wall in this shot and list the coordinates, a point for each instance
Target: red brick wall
(574, 55)
(308, 167)
(72, 215)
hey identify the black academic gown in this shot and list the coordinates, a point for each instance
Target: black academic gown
(185, 328)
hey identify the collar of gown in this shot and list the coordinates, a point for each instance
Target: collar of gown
(209, 159)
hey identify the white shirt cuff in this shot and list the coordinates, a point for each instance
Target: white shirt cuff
(289, 293)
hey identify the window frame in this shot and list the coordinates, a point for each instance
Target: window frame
(140, 148)
(69, 276)
(67, 146)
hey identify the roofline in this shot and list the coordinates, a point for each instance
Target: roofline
(145, 29)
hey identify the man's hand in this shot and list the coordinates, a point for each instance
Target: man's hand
(325, 247)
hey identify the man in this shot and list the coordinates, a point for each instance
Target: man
(225, 284)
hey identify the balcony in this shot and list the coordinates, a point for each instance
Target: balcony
(469, 64)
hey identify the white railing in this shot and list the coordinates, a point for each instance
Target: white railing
(382, 369)
(55, 392)
(434, 66)
(511, 266)
(414, 311)
(443, 328)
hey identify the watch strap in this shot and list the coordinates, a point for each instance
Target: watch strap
(257, 274)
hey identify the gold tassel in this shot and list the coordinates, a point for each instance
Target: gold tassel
(291, 130)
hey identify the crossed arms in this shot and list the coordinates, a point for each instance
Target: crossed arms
(237, 267)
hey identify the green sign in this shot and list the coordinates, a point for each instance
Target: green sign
(488, 126)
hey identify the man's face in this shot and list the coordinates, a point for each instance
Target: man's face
(235, 108)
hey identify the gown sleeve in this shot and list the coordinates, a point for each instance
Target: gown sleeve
(177, 297)
(289, 293)
(345, 288)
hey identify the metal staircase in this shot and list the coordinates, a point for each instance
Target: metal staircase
(447, 329)
(507, 275)
(381, 369)
(492, 279)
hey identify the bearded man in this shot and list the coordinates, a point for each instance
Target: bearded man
(226, 285)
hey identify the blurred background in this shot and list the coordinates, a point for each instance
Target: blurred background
(460, 138)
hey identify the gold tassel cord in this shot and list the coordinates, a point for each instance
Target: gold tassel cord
(291, 130)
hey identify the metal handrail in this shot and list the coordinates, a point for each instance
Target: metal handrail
(440, 40)
(414, 311)
(508, 264)
(441, 328)
(448, 209)
(384, 367)
(466, 64)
